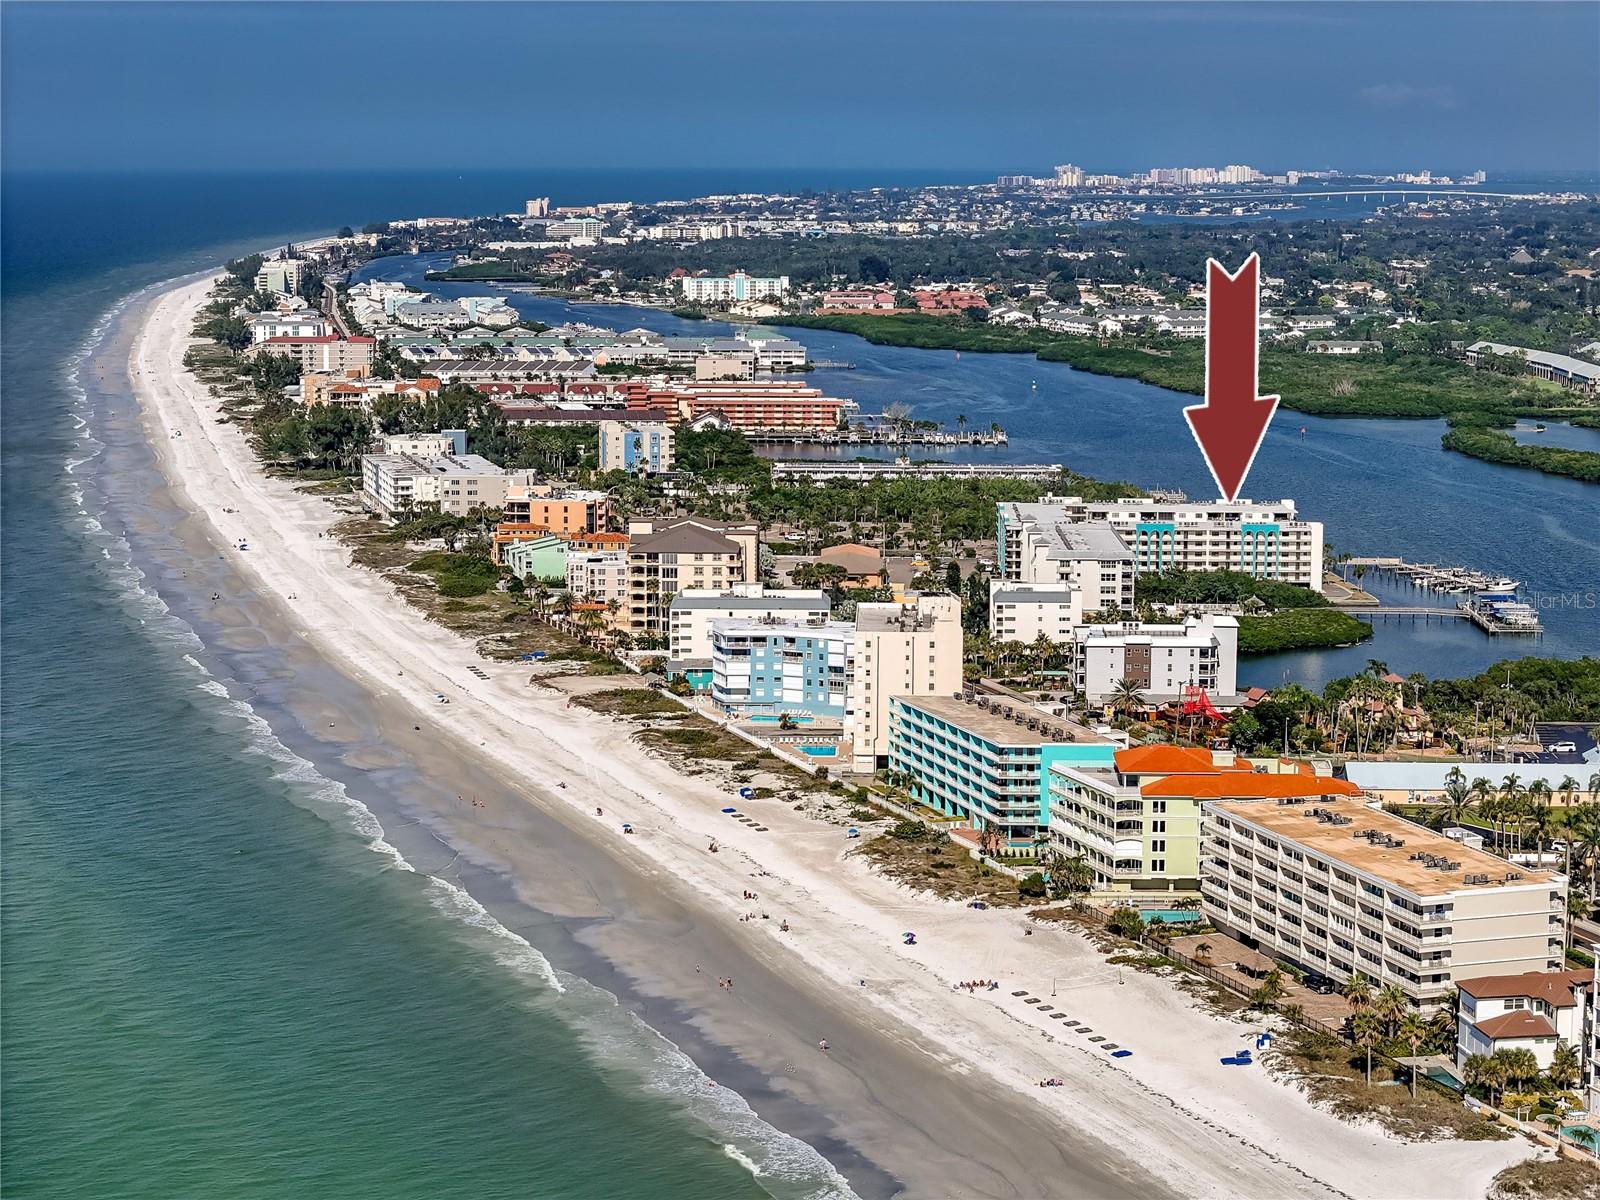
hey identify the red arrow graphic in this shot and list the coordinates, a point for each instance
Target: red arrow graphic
(1230, 425)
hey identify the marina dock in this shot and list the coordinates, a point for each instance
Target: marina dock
(1490, 601)
(823, 472)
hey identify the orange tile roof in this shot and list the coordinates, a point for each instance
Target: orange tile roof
(1164, 760)
(1248, 785)
(618, 538)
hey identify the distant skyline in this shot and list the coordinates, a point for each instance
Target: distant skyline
(1011, 88)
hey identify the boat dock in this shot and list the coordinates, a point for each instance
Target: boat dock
(1490, 601)
(823, 472)
(877, 435)
(1432, 577)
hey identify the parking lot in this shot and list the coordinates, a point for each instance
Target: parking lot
(1580, 736)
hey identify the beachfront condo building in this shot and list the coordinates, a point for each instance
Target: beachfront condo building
(782, 668)
(452, 483)
(723, 289)
(327, 354)
(1136, 820)
(692, 612)
(307, 322)
(986, 760)
(1264, 539)
(637, 447)
(667, 557)
(1337, 886)
(597, 575)
(1025, 612)
(281, 276)
(1162, 661)
(910, 649)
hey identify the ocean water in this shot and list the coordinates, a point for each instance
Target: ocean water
(1380, 487)
(220, 977)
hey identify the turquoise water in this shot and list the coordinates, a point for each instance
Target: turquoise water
(1584, 1135)
(769, 720)
(219, 979)
(1171, 916)
(820, 751)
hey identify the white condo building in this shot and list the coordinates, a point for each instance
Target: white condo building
(457, 483)
(726, 288)
(1339, 887)
(1264, 539)
(600, 575)
(694, 609)
(1025, 612)
(280, 276)
(1162, 661)
(1087, 558)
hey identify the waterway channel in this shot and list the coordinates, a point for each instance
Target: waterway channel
(1380, 487)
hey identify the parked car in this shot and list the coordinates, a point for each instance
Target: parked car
(1562, 747)
(1320, 984)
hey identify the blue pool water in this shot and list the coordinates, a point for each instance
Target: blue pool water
(1171, 916)
(1584, 1135)
(820, 751)
(769, 720)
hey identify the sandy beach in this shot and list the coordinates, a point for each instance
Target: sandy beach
(934, 1086)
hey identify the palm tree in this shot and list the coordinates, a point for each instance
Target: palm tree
(1522, 1068)
(1077, 877)
(1492, 1072)
(1413, 1032)
(1126, 697)
(1389, 1004)
(1358, 990)
(1594, 788)
(1475, 1070)
(1565, 1065)
(1365, 1030)
(1457, 796)
(1569, 787)
(1272, 990)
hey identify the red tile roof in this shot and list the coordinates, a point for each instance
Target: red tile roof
(1556, 988)
(1519, 1024)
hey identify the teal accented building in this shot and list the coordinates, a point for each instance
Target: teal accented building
(1155, 545)
(987, 759)
(763, 667)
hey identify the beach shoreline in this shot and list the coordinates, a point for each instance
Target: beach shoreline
(1169, 1113)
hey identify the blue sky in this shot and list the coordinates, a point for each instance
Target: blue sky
(1008, 87)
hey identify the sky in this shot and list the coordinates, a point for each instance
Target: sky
(1015, 88)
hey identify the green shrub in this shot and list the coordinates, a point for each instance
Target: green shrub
(1033, 887)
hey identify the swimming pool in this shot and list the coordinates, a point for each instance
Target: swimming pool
(820, 751)
(1586, 1136)
(770, 720)
(1172, 916)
